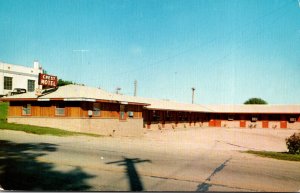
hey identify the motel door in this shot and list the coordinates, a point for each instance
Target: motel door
(242, 123)
(218, 123)
(122, 112)
(283, 124)
(265, 124)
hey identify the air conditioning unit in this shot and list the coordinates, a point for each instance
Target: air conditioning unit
(90, 113)
(254, 119)
(292, 119)
(130, 113)
(230, 118)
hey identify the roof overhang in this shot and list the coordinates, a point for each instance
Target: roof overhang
(80, 99)
(177, 110)
(255, 112)
(17, 99)
(73, 99)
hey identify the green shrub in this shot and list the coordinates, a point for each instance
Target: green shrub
(293, 143)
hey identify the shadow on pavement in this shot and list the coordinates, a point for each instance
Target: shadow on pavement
(204, 187)
(20, 169)
(132, 174)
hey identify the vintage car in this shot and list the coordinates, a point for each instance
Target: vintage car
(18, 91)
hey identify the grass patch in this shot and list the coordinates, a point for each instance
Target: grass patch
(276, 155)
(3, 111)
(41, 130)
(34, 129)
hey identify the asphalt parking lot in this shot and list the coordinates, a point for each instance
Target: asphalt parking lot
(198, 159)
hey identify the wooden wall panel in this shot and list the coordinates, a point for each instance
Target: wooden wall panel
(35, 111)
(47, 111)
(74, 111)
(138, 115)
(115, 114)
(15, 111)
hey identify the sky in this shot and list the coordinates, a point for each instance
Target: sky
(228, 50)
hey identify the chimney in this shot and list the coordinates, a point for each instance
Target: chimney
(36, 64)
(193, 92)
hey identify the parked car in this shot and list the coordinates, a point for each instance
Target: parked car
(18, 91)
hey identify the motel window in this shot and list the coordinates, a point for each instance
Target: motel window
(96, 109)
(8, 83)
(26, 109)
(60, 109)
(30, 85)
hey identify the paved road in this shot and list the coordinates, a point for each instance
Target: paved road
(155, 162)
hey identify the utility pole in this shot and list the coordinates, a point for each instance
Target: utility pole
(135, 87)
(193, 92)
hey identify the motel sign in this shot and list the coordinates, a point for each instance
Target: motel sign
(47, 80)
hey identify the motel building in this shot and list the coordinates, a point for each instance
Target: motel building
(92, 110)
(16, 76)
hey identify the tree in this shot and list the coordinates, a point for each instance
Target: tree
(258, 101)
(293, 143)
(63, 82)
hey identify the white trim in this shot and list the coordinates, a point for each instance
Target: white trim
(124, 102)
(19, 73)
(80, 99)
(39, 99)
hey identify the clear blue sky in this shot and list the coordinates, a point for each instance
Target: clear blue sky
(229, 50)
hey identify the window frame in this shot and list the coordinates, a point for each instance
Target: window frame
(26, 109)
(95, 112)
(33, 86)
(57, 108)
(7, 84)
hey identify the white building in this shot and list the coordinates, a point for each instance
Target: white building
(16, 76)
